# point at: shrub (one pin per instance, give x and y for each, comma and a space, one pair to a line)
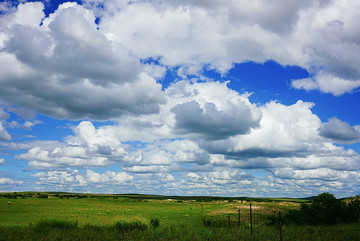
325, 209
43, 196
155, 223
129, 226
11, 195
352, 210
55, 224
214, 222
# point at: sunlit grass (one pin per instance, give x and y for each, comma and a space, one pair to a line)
127, 218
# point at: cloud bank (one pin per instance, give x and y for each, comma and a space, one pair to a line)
107, 60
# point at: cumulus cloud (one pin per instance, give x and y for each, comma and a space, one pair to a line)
326, 83
30, 13
340, 131
5, 7
2, 161
74, 180
288, 137
211, 110
196, 135
227, 177
219, 182
324, 174
283, 130
94, 71
320, 36
285, 141
8, 181
119, 178
4, 135
4, 115
90, 147
72, 177
191, 118
87, 74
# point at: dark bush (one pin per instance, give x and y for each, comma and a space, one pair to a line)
129, 226
55, 224
11, 195
43, 196
155, 223
217, 223
352, 210
325, 209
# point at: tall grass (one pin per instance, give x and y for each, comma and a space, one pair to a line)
142, 231
126, 219
55, 224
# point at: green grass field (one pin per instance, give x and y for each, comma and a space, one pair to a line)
104, 217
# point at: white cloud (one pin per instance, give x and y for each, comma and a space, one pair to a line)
4, 135
198, 130
156, 71
340, 131
4, 115
2, 161
96, 73
210, 110
29, 124
69, 177
89, 147
87, 74
327, 83
118, 178
325, 174
283, 130
30, 13
320, 36
8, 181
5, 7
285, 141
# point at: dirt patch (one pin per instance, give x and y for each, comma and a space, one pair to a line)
233, 209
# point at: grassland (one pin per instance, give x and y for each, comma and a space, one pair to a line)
31, 216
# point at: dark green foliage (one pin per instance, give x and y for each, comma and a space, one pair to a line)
352, 210
54, 224
155, 223
185, 232
217, 223
10, 195
129, 226
325, 209
43, 195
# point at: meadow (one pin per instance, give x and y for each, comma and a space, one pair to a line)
64, 216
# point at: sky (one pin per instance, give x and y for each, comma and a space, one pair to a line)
209, 97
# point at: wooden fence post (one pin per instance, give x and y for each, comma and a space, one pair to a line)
280, 224
251, 231
239, 217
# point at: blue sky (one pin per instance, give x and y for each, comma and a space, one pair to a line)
172, 97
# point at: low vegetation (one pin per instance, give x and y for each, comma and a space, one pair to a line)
326, 209
67, 216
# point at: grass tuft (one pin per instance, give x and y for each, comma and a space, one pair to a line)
155, 223
130, 226
55, 224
